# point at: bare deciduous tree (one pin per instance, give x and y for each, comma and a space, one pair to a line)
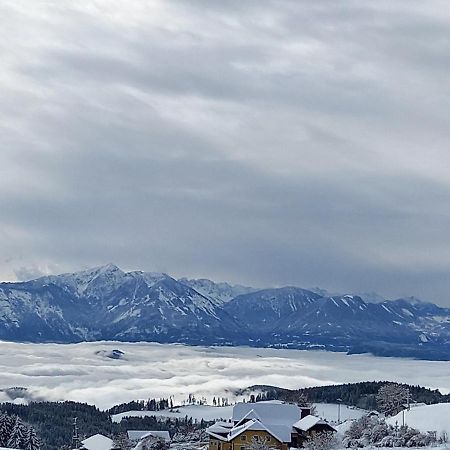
391, 398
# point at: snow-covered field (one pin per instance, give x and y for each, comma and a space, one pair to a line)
197, 412
83, 372
326, 410
426, 418
329, 411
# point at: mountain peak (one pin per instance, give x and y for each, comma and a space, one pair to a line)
110, 267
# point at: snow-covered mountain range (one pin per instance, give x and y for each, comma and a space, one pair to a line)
106, 303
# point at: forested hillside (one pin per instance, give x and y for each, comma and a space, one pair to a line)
53, 422
361, 395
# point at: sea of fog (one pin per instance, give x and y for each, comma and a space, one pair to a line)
83, 372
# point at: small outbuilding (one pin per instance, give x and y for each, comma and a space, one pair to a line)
310, 425
137, 435
98, 442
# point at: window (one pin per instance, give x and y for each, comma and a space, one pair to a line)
243, 437
268, 438
242, 448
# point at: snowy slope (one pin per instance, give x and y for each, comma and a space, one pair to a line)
426, 418
197, 412
219, 293
329, 411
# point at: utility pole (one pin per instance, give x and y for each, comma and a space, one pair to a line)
75, 438
339, 400
408, 406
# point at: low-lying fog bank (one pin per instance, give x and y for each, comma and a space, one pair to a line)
95, 373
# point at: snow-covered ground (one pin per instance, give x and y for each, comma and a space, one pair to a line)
84, 372
328, 411
426, 418
197, 412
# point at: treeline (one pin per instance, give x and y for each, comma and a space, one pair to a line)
172, 425
142, 405
361, 395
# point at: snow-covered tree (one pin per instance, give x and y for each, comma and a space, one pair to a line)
260, 443
5, 429
391, 398
373, 431
31, 440
322, 441
379, 431
153, 443
359, 432
17, 435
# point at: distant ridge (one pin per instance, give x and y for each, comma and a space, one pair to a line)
110, 304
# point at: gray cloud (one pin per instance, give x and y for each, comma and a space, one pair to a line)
278, 143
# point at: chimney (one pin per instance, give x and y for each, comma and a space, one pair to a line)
305, 411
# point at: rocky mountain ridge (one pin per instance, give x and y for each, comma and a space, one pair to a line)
106, 303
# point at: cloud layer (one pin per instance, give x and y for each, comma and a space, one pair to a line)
77, 372
287, 142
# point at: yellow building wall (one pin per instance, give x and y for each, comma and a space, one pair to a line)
238, 442
216, 444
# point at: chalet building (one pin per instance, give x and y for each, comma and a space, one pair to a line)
280, 425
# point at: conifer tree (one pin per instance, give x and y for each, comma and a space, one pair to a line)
17, 435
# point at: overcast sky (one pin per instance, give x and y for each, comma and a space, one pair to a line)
260, 142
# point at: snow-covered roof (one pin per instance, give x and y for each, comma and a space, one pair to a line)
8, 448
277, 418
343, 427
136, 435
220, 427
225, 433
98, 442
252, 414
274, 417
268, 412
413, 404
308, 422
280, 432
